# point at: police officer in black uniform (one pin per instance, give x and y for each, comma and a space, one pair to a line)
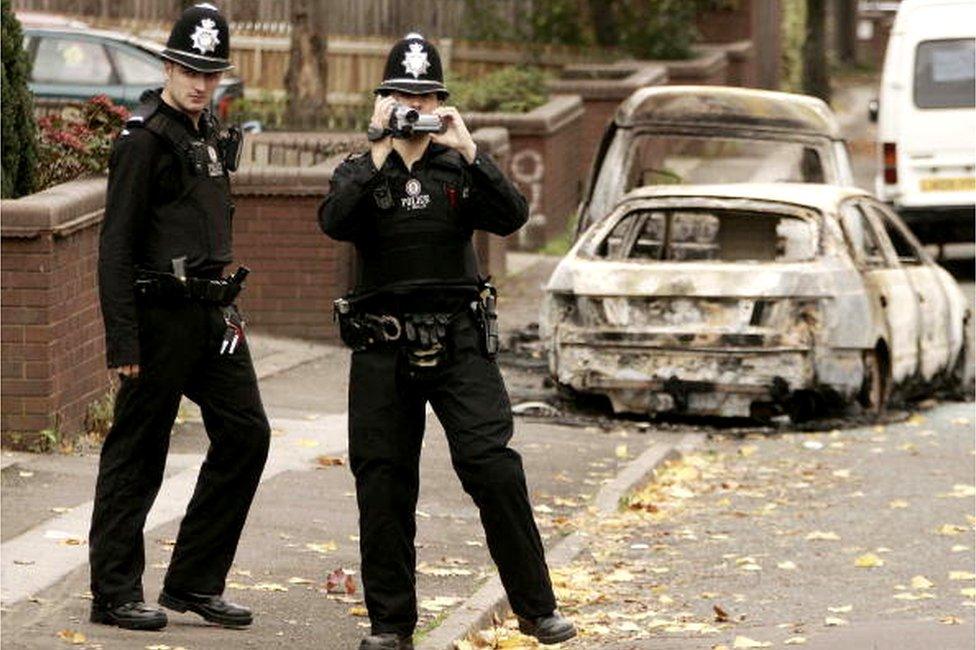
421, 324
172, 330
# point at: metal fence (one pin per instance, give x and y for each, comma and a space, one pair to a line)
443, 18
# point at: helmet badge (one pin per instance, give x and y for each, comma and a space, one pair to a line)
415, 61
205, 36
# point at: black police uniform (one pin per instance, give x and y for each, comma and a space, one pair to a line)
412, 231
169, 198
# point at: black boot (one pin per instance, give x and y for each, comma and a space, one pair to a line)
387, 641
553, 628
135, 615
212, 608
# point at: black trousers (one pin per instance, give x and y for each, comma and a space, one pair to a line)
179, 347
386, 428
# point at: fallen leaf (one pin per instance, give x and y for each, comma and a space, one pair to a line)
969, 592
721, 615
795, 640
72, 637
842, 473
621, 452
26, 474
544, 509
962, 575
620, 575
819, 535
843, 609
787, 566
868, 561
921, 583
951, 529
747, 450
329, 461
950, 620
960, 491
960, 548
833, 621
438, 603
907, 596
813, 445
323, 547
358, 611
441, 572
306, 442
897, 503
340, 581
300, 581
746, 642
269, 586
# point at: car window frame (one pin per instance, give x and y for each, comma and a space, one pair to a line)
885, 216
861, 260
113, 80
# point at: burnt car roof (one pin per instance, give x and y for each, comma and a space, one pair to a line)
824, 198
728, 107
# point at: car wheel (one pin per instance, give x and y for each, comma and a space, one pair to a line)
962, 379
876, 386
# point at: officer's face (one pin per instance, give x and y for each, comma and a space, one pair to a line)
421, 103
190, 90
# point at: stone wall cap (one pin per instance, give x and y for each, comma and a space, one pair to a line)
55, 209
282, 180
552, 116
736, 50
614, 81
706, 62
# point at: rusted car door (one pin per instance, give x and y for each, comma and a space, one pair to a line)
892, 297
934, 335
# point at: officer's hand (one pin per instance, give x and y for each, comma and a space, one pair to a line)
382, 109
130, 371
456, 135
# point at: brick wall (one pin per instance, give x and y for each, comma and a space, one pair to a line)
296, 271
52, 344
758, 21
542, 141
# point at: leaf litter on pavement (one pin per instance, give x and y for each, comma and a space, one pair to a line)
688, 553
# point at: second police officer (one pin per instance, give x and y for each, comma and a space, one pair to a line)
172, 330
421, 324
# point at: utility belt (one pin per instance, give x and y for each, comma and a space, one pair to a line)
423, 336
172, 287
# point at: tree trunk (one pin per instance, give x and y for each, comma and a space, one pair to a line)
307, 76
604, 18
816, 75
845, 12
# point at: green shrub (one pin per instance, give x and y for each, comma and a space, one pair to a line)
78, 141
511, 89
19, 133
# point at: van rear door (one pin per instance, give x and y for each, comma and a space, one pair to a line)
937, 134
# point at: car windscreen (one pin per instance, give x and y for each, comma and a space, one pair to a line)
636, 160
710, 235
945, 74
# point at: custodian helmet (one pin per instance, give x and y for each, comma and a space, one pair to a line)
413, 67
200, 40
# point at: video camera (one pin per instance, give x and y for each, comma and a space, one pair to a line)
406, 121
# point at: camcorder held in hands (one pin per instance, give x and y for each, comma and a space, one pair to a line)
406, 121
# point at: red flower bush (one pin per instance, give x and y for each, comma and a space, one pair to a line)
78, 141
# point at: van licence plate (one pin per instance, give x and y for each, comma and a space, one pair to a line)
960, 184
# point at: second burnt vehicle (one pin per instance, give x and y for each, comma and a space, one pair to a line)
753, 299
687, 135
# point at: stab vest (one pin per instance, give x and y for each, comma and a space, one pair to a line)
196, 221
413, 245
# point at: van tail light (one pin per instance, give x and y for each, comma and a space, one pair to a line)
223, 106
890, 153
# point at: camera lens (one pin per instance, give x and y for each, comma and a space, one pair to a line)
411, 115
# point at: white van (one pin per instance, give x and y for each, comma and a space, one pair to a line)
927, 119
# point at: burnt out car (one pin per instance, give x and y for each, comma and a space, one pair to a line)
707, 135
753, 300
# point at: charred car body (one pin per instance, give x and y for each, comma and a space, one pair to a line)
752, 299
683, 135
